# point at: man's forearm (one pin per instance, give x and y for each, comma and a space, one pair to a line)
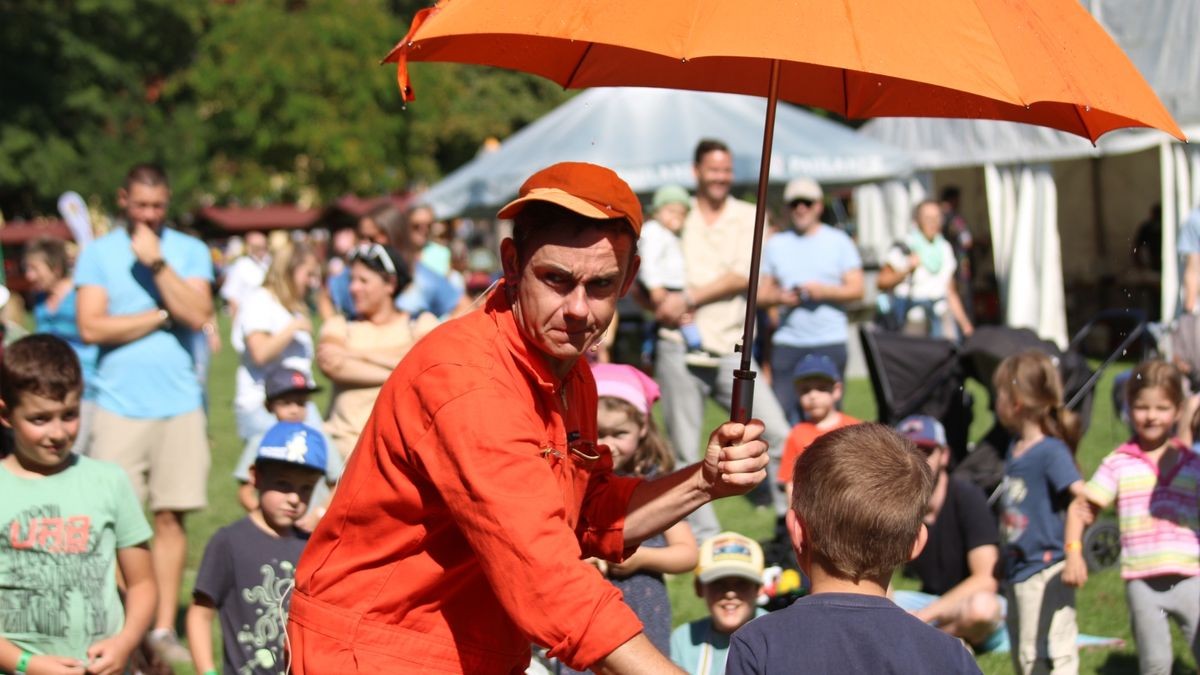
187, 304
119, 330
944, 608
660, 503
720, 288
639, 656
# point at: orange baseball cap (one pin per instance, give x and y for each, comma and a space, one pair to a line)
590, 190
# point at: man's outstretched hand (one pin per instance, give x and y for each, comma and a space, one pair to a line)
736, 459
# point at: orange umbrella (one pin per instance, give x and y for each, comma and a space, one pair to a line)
1044, 62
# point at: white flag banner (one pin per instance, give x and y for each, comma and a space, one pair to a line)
74, 211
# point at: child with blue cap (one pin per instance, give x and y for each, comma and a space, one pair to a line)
248, 567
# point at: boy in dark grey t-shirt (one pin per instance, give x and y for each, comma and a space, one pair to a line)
858, 503
249, 566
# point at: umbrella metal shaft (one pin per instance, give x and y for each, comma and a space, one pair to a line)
741, 407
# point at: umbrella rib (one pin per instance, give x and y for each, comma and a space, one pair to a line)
845, 94
578, 65
1000, 51
1084, 123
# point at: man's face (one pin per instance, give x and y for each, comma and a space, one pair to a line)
805, 213
566, 292
938, 458
714, 175
256, 244
145, 204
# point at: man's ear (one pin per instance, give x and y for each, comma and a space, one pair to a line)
122, 197
919, 544
631, 274
4, 421
509, 262
253, 476
838, 390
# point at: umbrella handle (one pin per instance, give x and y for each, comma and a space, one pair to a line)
741, 403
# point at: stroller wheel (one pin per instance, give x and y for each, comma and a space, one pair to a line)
1102, 546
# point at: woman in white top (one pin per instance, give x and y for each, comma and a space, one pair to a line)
273, 329
359, 355
920, 278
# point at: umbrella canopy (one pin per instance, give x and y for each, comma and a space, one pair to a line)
1044, 62
647, 137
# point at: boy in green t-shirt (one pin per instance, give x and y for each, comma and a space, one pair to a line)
67, 523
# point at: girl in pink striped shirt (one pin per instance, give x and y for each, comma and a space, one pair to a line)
1155, 481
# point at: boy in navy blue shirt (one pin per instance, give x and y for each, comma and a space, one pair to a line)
858, 507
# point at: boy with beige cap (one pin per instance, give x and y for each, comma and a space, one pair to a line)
729, 579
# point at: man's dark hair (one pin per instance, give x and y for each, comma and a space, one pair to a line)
708, 145
39, 364
951, 193
146, 174
535, 215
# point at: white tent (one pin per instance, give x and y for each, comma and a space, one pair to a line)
1025, 167
648, 135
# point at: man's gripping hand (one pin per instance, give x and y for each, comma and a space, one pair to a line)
735, 461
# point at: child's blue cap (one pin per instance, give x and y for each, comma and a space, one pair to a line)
925, 431
294, 443
816, 365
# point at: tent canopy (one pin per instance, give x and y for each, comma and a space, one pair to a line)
648, 135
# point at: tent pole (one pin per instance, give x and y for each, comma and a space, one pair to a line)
742, 397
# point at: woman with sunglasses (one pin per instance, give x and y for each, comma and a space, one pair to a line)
273, 329
358, 355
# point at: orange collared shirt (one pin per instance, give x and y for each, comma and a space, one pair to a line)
455, 535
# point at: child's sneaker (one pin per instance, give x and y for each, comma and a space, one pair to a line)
165, 644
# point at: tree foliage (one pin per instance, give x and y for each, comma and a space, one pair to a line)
80, 83
255, 100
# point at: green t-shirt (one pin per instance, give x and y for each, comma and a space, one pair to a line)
58, 555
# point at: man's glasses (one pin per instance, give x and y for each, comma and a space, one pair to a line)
372, 253
806, 202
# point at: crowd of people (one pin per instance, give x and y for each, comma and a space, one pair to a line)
482, 481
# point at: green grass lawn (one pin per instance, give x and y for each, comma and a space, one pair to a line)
1101, 605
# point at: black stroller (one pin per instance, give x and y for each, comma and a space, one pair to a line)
927, 376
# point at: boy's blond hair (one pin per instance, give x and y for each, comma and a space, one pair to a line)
860, 493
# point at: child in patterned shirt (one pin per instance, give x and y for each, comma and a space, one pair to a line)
1155, 482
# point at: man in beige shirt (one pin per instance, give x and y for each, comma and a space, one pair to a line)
718, 237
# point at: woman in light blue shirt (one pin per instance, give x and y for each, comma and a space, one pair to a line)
48, 271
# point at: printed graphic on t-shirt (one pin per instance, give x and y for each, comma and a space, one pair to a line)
1013, 522
261, 641
50, 566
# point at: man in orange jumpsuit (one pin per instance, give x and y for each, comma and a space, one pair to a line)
455, 536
